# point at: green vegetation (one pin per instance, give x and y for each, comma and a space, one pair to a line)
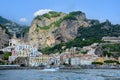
90, 35
49, 50
38, 17
97, 63
46, 50
74, 13
43, 28
54, 14
47, 15
57, 23
111, 61
106, 53
111, 50
85, 52
78, 42
6, 55
94, 31
112, 47
25, 30
73, 43
69, 17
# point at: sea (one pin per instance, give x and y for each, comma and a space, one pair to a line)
81, 74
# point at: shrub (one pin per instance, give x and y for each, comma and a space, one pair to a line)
45, 28
54, 14
38, 17
111, 61
6, 55
57, 23
75, 13
46, 15
69, 17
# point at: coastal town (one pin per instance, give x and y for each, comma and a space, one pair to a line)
60, 40
24, 54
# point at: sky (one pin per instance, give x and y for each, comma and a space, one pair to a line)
23, 11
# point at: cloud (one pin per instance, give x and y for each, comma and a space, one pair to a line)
42, 11
23, 20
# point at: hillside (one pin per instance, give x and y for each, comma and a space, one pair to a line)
50, 33
89, 35
12, 27
4, 37
53, 28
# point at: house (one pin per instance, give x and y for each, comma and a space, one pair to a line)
55, 59
119, 59
87, 59
40, 60
64, 56
20, 49
112, 39
75, 61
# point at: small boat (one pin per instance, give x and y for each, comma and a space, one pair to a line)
51, 69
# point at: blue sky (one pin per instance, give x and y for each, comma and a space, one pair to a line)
23, 10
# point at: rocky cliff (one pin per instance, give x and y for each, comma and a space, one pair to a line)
4, 37
55, 27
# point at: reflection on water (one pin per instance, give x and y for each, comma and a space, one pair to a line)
83, 74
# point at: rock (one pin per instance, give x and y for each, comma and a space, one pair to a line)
4, 37
99, 51
48, 31
23, 61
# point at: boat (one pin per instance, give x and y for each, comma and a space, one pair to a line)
51, 69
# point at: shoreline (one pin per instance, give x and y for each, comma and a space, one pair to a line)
18, 68
63, 68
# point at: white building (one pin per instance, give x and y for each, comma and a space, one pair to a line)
91, 51
87, 59
75, 61
112, 39
20, 49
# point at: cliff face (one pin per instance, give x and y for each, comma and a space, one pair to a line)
4, 37
53, 28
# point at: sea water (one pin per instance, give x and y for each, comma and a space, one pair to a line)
82, 74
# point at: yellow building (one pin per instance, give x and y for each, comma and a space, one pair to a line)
119, 59
41, 60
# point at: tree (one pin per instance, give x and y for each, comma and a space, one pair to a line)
106, 53
6, 55
111, 61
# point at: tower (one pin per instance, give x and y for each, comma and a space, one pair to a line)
14, 35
